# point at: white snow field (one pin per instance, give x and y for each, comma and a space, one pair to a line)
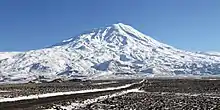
115, 51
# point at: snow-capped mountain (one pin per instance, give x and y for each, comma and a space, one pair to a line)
114, 51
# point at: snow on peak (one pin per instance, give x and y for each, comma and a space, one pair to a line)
114, 51
119, 25
119, 34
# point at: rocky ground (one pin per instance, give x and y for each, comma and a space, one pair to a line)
183, 85
158, 101
156, 94
167, 94
15, 90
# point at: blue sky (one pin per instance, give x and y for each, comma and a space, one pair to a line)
185, 24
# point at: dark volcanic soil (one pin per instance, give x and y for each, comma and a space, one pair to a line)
159, 94
157, 101
167, 94
15, 90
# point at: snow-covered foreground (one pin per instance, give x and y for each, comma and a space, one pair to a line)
90, 101
38, 96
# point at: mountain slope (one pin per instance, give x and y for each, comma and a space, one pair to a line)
114, 51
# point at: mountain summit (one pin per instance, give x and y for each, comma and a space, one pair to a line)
119, 34
115, 51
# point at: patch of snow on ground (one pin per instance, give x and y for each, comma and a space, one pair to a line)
3, 91
100, 98
103, 83
37, 96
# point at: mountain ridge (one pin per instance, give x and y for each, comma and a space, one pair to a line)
115, 51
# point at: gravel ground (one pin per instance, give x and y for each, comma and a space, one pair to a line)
156, 101
159, 94
15, 90
182, 86
167, 94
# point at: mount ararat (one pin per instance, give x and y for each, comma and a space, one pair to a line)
115, 51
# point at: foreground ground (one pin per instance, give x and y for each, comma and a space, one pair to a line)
168, 94
165, 94
15, 90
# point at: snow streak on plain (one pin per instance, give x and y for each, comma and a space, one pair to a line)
38, 96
